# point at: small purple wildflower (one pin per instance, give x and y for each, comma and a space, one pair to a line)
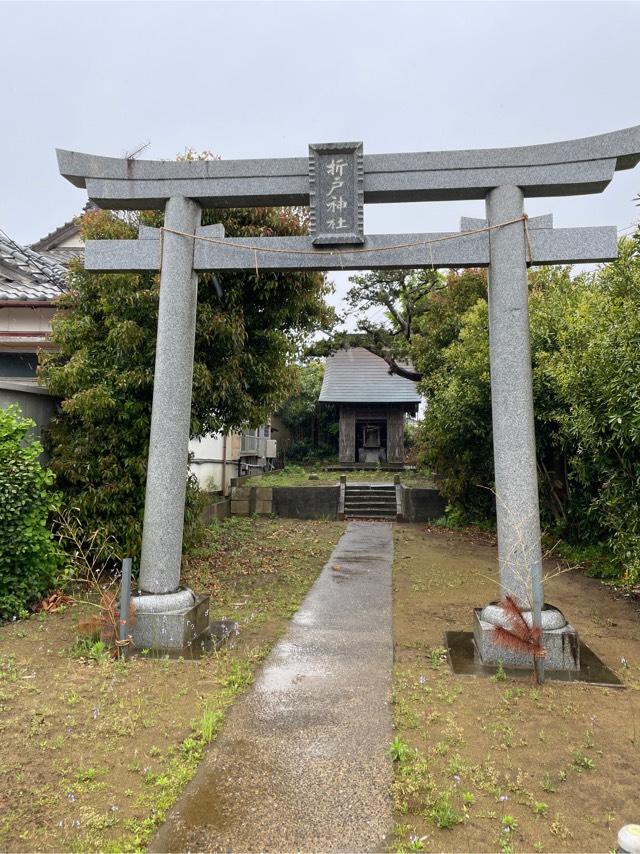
504, 798
71, 797
457, 778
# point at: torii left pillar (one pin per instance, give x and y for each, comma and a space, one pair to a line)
169, 616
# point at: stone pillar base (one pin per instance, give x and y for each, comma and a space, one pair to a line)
170, 621
561, 645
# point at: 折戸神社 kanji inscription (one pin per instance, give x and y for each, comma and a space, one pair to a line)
336, 193
336, 180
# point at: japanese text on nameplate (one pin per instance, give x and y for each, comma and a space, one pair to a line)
336, 193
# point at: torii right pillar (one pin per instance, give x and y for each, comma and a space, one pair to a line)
514, 449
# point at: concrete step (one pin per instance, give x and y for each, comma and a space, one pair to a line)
369, 514
358, 505
371, 496
370, 501
371, 486
369, 492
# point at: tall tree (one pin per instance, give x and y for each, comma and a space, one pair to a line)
407, 317
397, 298
250, 326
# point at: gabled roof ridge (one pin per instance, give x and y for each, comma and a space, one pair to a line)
44, 242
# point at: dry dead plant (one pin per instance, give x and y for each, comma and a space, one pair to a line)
95, 563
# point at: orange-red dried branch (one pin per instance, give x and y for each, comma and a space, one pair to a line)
519, 636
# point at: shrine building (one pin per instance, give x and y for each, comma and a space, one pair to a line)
372, 405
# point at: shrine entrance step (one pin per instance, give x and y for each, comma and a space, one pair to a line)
370, 501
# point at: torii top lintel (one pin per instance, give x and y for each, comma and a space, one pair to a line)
574, 167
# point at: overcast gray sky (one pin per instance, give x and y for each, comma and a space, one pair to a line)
265, 79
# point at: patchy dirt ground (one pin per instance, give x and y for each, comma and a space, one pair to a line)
497, 764
93, 752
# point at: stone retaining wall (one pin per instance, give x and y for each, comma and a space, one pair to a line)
307, 502
216, 510
294, 502
321, 502
420, 504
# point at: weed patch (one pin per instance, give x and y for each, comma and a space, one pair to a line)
95, 751
493, 763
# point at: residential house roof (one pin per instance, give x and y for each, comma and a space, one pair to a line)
359, 376
27, 275
64, 241
56, 237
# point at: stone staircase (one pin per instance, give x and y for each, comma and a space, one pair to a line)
370, 501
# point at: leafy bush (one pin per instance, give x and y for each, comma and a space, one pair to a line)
595, 373
30, 559
312, 426
306, 451
102, 366
585, 341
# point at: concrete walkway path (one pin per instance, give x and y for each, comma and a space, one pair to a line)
301, 763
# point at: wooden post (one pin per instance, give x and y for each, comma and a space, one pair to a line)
347, 435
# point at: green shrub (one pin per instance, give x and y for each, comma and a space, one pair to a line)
585, 340
30, 559
305, 451
103, 362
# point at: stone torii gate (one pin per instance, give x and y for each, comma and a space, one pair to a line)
336, 180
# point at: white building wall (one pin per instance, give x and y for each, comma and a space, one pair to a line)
207, 463
21, 319
72, 242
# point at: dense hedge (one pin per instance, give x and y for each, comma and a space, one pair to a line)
102, 367
30, 559
585, 342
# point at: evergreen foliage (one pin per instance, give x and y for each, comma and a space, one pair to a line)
30, 559
246, 338
313, 426
585, 340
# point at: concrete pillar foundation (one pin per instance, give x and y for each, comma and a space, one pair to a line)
175, 621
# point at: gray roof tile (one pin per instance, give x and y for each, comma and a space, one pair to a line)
358, 376
27, 275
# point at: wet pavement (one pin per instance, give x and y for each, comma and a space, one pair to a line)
301, 763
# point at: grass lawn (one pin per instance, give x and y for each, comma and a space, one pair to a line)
298, 476
93, 752
497, 764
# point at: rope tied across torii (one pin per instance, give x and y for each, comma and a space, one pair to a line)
336, 180
545, 245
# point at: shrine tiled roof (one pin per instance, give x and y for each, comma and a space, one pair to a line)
27, 275
359, 376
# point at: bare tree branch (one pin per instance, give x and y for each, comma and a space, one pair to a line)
394, 367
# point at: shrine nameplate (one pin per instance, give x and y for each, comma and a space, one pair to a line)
336, 191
